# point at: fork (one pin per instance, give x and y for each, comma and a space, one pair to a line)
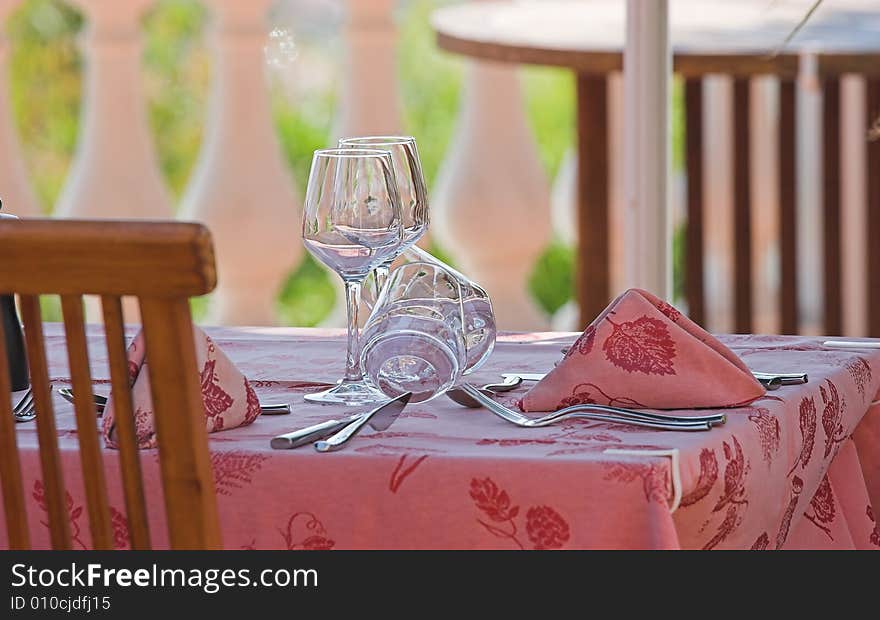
25, 410
598, 413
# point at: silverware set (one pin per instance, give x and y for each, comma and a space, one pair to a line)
598, 413
332, 435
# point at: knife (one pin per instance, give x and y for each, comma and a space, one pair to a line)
379, 418
303, 436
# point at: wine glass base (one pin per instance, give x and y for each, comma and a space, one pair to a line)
348, 393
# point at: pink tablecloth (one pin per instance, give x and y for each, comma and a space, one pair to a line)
782, 472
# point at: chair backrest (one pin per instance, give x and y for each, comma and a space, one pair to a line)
162, 264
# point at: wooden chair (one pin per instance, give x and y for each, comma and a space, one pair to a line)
162, 264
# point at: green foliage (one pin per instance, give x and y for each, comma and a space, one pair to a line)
307, 297
430, 81
45, 83
552, 280
176, 77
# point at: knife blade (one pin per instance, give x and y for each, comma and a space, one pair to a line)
379, 418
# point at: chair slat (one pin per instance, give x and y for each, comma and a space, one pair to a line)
788, 207
94, 479
873, 196
693, 110
833, 293
183, 450
10, 463
593, 257
129, 458
742, 208
50, 457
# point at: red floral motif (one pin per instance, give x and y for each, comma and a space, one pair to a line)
734, 477
233, 470
492, 500
253, 404
120, 529
761, 543
590, 394
643, 345
305, 531
730, 523
143, 429
797, 485
655, 478
821, 511
860, 371
768, 431
74, 512
546, 528
707, 479
808, 432
670, 311
216, 399
875, 535
402, 471
133, 370
584, 344
832, 416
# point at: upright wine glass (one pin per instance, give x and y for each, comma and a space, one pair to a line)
352, 224
410, 186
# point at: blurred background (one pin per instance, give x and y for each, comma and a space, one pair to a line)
46, 86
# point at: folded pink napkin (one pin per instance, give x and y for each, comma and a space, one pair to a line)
229, 399
641, 352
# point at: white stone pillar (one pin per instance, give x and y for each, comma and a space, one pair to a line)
15, 190
647, 72
369, 103
491, 203
115, 171
241, 187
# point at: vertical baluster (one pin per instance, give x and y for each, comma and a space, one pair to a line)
370, 104
788, 206
694, 293
490, 205
14, 507
873, 194
115, 171
593, 256
742, 218
17, 192
831, 204
86, 426
241, 187
47, 433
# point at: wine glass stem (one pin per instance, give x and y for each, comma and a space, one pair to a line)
380, 276
353, 372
